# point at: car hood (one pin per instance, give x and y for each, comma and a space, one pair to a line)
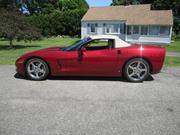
42, 51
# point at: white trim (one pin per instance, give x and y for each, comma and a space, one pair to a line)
170, 35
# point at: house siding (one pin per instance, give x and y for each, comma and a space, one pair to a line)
100, 29
134, 38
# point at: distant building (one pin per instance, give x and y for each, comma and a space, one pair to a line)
133, 23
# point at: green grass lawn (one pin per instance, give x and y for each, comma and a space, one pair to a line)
8, 55
172, 62
174, 47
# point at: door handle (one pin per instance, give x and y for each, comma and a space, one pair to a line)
119, 52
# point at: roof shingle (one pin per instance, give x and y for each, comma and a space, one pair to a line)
133, 14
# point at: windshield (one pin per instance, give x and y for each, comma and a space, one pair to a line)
76, 45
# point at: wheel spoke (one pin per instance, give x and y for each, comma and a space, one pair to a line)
33, 65
31, 71
131, 74
138, 64
131, 67
39, 65
138, 75
37, 75
143, 70
42, 71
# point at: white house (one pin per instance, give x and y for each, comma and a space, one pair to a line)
133, 23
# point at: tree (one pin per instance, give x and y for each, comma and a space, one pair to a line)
125, 2
13, 26
72, 4
9, 3
61, 18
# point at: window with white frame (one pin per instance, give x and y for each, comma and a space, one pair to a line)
122, 28
135, 29
112, 28
153, 30
144, 30
129, 30
164, 30
92, 27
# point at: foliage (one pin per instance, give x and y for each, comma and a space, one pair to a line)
7, 3
125, 2
14, 26
59, 23
56, 17
61, 18
72, 4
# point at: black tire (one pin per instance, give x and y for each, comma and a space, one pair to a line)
135, 74
44, 67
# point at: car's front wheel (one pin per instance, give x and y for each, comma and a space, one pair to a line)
37, 69
136, 70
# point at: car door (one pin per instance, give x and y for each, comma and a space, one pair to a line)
99, 62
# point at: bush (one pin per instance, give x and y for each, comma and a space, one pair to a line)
175, 36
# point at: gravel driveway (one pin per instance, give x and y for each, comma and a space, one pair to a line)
90, 106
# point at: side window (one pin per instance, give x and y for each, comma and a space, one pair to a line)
129, 30
164, 30
135, 29
100, 44
144, 30
154, 30
92, 28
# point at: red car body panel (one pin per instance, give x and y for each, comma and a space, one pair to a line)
107, 62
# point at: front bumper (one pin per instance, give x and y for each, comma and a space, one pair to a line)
20, 66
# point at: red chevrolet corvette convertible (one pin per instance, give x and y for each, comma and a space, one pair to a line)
94, 56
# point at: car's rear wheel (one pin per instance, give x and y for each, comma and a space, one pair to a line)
37, 69
136, 70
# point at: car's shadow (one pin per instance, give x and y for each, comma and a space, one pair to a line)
87, 78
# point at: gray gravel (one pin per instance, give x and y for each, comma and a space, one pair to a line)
90, 106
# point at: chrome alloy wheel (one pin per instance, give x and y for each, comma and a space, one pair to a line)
37, 69
137, 70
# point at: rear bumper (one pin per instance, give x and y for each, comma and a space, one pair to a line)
159, 61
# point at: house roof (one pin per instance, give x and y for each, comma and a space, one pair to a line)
133, 14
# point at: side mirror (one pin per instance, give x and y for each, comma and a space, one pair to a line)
83, 49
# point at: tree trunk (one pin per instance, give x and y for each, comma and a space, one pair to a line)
11, 43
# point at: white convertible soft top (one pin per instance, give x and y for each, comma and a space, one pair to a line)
118, 41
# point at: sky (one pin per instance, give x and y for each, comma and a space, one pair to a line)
93, 3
